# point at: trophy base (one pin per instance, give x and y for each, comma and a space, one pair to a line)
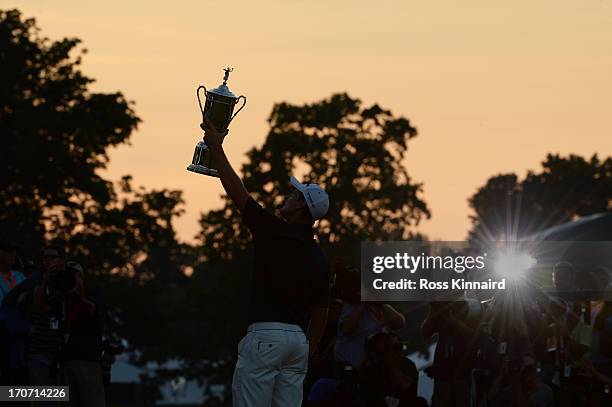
200, 169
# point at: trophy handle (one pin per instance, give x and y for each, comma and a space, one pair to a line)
243, 104
198, 96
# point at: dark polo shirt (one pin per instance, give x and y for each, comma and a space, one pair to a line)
290, 273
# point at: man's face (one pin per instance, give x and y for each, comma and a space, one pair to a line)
294, 203
7, 258
52, 260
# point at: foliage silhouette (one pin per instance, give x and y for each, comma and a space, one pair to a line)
565, 188
56, 134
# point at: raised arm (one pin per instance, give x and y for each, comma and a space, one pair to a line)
394, 319
430, 325
231, 181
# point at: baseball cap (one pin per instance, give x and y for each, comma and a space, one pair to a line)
315, 196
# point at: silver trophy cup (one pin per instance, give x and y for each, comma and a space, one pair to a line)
219, 109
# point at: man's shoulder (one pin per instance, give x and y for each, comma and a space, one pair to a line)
258, 219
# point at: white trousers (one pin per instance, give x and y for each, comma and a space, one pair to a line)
272, 363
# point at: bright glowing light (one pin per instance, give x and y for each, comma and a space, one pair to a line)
513, 265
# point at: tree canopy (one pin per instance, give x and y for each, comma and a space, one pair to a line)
56, 135
564, 189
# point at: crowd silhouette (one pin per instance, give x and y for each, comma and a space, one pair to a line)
520, 347
53, 326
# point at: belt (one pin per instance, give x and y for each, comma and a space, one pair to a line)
273, 326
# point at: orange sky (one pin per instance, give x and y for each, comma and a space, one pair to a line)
491, 86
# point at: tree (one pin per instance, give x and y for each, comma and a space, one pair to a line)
56, 134
56, 131
565, 188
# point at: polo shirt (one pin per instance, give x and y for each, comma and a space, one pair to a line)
350, 348
290, 271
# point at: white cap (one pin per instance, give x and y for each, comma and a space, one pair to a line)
315, 196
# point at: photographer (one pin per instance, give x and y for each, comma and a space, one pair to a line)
567, 351
455, 352
519, 385
46, 300
82, 351
577, 333
513, 327
45, 312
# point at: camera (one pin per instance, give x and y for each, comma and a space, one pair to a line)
60, 284
110, 350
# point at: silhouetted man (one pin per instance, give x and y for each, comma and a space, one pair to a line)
290, 281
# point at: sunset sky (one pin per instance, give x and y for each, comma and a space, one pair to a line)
491, 86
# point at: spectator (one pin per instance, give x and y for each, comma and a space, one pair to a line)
358, 321
386, 374
322, 362
601, 345
81, 355
599, 367
383, 378
518, 385
41, 299
574, 339
454, 356
602, 383
341, 391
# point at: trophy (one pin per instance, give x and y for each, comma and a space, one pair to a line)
219, 109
